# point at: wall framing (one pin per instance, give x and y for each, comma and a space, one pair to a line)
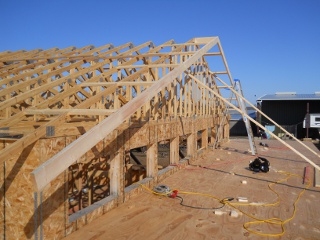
65, 110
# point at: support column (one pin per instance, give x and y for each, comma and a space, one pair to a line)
191, 145
204, 139
117, 168
212, 135
115, 174
152, 152
174, 150
152, 160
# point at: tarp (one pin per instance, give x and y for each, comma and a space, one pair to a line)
271, 128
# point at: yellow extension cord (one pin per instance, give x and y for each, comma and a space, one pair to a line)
274, 221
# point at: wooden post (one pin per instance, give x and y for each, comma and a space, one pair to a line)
261, 126
152, 153
180, 97
115, 174
90, 185
152, 160
174, 150
191, 141
8, 109
79, 184
121, 152
204, 139
189, 111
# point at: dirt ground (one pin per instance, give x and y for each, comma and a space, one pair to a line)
222, 173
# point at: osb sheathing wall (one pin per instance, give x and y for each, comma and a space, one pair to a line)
26, 217
52, 99
20, 217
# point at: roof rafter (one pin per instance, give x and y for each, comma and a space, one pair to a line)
39, 132
57, 164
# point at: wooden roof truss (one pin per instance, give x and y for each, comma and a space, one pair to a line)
102, 87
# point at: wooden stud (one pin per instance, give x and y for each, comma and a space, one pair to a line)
204, 138
82, 97
174, 150
115, 174
152, 160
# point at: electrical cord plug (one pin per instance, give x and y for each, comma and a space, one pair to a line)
226, 199
173, 194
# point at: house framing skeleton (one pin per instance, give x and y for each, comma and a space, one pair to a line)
79, 126
72, 118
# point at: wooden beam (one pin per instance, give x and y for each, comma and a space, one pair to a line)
42, 64
41, 131
48, 171
69, 111
258, 124
92, 58
221, 72
160, 65
191, 43
41, 69
174, 150
212, 54
191, 145
152, 160
223, 87
204, 138
202, 40
272, 121
106, 84
115, 174
55, 83
44, 87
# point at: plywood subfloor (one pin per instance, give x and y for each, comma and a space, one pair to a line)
148, 216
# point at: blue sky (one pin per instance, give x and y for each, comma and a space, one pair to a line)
271, 46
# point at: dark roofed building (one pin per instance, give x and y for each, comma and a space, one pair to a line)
237, 126
289, 109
